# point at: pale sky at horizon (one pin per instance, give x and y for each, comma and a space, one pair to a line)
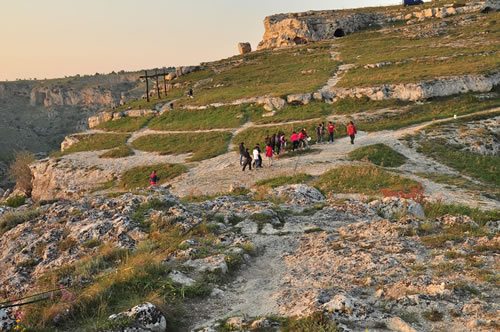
54, 38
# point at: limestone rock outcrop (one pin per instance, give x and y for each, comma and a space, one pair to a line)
441, 87
301, 28
146, 318
244, 48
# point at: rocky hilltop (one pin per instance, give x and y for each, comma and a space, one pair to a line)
395, 229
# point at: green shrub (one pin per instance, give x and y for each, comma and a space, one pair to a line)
20, 172
202, 145
379, 154
317, 322
139, 177
368, 180
15, 201
11, 219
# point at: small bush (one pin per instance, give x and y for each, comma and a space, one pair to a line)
15, 201
378, 154
20, 172
316, 322
13, 218
433, 315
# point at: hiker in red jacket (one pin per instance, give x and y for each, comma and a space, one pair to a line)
154, 178
331, 131
351, 131
295, 140
269, 155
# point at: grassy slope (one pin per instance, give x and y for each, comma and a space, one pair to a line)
138, 177
127, 124
379, 154
202, 145
421, 57
220, 117
96, 142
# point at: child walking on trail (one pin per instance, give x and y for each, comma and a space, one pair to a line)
351, 131
154, 178
269, 155
248, 160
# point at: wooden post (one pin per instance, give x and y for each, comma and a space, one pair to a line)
157, 86
165, 81
147, 85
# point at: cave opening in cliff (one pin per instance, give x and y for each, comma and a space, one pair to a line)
339, 33
299, 40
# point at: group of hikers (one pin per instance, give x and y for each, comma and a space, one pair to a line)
277, 143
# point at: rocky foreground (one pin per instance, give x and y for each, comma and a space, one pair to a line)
379, 266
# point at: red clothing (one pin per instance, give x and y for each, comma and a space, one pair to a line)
294, 137
269, 151
331, 128
301, 135
351, 130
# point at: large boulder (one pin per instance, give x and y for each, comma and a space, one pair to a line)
68, 142
6, 323
299, 98
244, 48
390, 207
146, 318
299, 194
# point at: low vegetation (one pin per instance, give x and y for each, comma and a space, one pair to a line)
120, 152
127, 124
378, 154
434, 109
11, 219
211, 118
481, 167
97, 142
417, 59
369, 180
202, 145
139, 177
438, 209
285, 180
20, 172
310, 65
15, 201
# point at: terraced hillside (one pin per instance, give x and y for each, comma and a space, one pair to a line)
396, 232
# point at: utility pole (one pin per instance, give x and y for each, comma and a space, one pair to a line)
147, 85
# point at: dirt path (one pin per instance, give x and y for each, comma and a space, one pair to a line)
217, 174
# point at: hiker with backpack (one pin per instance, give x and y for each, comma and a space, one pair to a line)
154, 178
351, 131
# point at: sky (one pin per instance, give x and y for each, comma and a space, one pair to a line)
56, 38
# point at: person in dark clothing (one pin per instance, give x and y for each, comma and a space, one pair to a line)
242, 151
318, 133
273, 142
248, 161
323, 130
190, 92
278, 143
